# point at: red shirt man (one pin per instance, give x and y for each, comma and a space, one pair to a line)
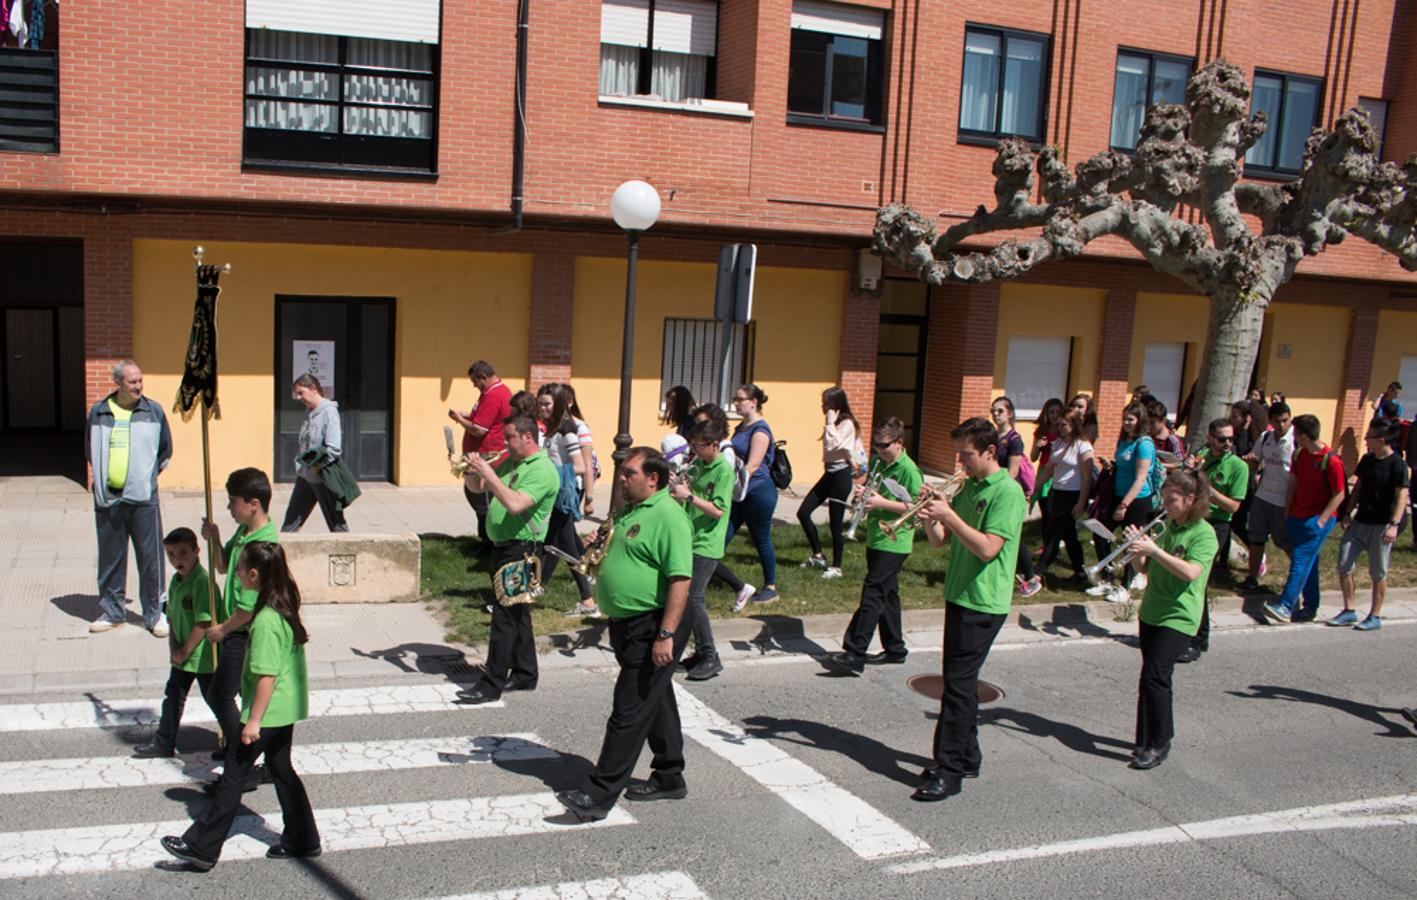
1318, 476
482, 432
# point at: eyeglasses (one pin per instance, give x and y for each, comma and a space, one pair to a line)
883, 445
1225, 439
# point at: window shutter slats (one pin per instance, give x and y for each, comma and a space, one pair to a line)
1162, 370
624, 22
833, 18
1037, 369
685, 26
415, 21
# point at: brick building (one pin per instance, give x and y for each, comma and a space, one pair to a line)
387, 192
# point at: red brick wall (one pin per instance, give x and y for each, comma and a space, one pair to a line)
1353, 411
553, 289
860, 320
1114, 360
959, 367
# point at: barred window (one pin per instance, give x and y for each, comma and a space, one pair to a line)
693, 352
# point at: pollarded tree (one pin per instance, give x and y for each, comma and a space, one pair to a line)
1188, 155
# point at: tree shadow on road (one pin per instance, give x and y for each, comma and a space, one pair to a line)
1071, 736
872, 754
1365, 711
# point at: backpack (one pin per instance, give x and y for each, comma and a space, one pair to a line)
1027, 475
780, 468
1155, 476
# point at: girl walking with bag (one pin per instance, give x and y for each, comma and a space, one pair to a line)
753, 443
320, 443
840, 442
1014, 460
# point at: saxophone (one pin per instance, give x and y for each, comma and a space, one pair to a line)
594, 553
857, 510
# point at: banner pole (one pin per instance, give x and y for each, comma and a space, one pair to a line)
207, 492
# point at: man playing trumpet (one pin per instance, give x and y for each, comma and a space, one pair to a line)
880, 592
982, 525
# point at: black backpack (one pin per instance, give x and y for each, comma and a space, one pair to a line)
780, 469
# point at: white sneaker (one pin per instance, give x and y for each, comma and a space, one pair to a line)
1119, 595
104, 624
1099, 590
814, 562
743, 596
159, 630
1139, 582
832, 572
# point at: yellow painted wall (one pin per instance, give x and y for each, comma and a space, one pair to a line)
1040, 310
1169, 317
451, 309
1397, 337
1316, 338
798, 315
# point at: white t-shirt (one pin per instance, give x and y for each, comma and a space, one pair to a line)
1275, 454
563, 444
1067, 471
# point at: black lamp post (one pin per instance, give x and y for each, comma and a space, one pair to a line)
635, 206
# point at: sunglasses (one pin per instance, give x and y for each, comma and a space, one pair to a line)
1224, 440
883, 445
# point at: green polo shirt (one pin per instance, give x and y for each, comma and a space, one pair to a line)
1171, 601
711, 481
186, 606
273, 651
535, 476
235, 596
905, 471
993, 505
653, 542
1229, 475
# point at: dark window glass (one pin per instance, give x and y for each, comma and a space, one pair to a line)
1004, 87
807, 72
1143, 80
834, 77
1377, 117
1291, 103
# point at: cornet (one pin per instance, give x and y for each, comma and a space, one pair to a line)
946, 491
857, 508
1122, 555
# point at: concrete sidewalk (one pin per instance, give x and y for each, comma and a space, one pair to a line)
48, 559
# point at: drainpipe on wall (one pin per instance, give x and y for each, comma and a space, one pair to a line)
519, 139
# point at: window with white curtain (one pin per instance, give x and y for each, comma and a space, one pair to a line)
1144, 79
1292, 104
693, 354
1036, 369
1162, 370
1407, 377
1004, 87
835, 67
658, 48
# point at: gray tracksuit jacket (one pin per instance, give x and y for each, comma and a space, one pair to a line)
321, 428
149, 451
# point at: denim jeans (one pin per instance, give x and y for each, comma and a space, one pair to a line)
1308, 538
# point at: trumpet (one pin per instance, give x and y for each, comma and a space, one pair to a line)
594, 553
946, 491
456, 461
1122, 555
857, 507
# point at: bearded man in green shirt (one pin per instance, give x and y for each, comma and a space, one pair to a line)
982, 525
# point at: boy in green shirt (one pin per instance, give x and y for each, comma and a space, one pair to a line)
188, 618
1229, 478
880, 592
982, 525
706, 492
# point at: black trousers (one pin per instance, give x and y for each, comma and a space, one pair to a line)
1160, 648
644, 710
300, 835
1221, 567
225, 684
303, 500
831, 486
1061, 528
879, 607
478, 502
968, 637
511, 648
179, 683
1138, 513
561, 534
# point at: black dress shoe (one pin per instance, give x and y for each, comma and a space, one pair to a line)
928, 773
584, 808
653, 790
153, 750
845, 661
1190, 654
1151, 757
280, 852
520, 684
888, 659
178, 848
476, 696
938, 788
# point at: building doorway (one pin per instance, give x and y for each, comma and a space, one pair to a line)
900, 356
348, 344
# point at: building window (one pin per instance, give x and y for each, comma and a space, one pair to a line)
1004, 89
658, 48
1143, 80
1407, 374
29, 78
1377, 117
692, 356
1163, 368
1292, 104
836, 64
1037, 369
342, 84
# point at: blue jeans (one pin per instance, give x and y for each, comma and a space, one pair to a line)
1308, 539
755, 511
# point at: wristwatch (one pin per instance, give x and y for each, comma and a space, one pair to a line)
665, 633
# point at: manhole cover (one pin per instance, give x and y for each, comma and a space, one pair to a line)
933, 686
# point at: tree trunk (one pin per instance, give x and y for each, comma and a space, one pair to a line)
1231, 344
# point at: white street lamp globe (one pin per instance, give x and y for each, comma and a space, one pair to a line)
635, 205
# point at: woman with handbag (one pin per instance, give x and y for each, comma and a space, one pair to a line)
320, 441
840, 441
753, 443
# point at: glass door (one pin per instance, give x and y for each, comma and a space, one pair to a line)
900, 356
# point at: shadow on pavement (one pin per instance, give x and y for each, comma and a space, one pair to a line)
416, 657
786, 634
562, 772
83, 607
1069, 616
586, 638
1365, 711
873, 755
1070, 736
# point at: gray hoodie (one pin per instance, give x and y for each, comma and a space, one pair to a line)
321, 428
149, 450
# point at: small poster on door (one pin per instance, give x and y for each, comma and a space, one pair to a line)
315, 358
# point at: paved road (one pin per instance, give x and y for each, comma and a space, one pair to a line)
1293, 775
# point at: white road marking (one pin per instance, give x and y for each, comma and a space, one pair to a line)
866, 831
104, 848
658, 886
33, 776
99, 713
1382, 812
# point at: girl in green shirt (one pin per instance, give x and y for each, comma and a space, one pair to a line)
275, 695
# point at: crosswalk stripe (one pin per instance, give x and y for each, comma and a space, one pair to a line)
656, 886
104, 848
868, 832
98, 713
34, 776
